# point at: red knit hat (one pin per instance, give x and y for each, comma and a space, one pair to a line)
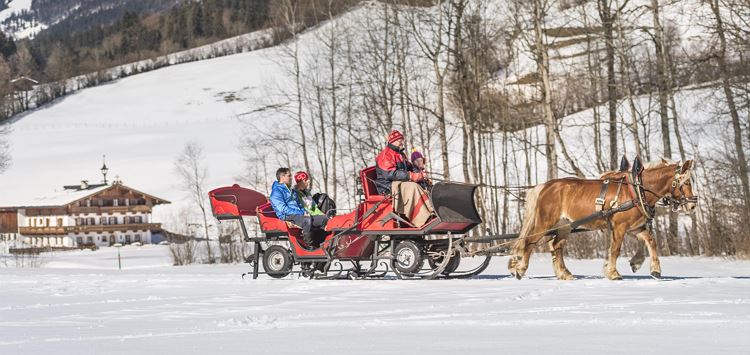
394, 136
300, 176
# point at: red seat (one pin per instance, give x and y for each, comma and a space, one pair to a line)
269, 223
368, 177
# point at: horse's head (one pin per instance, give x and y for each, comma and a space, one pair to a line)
682, 188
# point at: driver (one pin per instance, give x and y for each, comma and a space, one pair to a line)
396, 176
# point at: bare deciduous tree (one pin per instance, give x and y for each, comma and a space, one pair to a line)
191, 169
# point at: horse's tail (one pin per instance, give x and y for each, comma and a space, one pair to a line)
529, 219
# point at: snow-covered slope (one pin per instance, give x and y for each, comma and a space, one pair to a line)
19, 28
141, 123
82, 304
26, 18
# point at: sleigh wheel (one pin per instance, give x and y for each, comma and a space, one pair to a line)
452, 263
407, 257
277, 261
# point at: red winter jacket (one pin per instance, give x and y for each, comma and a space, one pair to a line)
392, 165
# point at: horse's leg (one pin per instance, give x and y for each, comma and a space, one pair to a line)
645, 235
558, 264
529, 243
610, 271
637, 260
516, 255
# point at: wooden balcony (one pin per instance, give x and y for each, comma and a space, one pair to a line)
42, 230
102, 228
96, 228
110, 209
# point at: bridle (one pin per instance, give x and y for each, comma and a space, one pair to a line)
678, 184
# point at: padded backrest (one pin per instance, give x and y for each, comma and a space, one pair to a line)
245, 200
266, 210
368, 176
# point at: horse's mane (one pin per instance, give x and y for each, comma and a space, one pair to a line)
649, 165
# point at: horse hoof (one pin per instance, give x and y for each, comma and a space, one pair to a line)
567, 277
656, 275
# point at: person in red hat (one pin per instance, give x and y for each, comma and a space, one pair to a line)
396, 176
315, 219
304, 196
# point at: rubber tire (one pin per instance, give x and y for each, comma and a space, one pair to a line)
407, 246
451, 267
277, 271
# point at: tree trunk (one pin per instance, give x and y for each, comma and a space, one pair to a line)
736, 125
542, 64
605, 13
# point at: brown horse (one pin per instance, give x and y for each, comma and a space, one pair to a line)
553, 206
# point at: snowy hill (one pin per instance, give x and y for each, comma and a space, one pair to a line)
26, 18
141, 123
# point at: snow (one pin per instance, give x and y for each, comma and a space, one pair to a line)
24, 30
61, 197
15, 7
141, 123
78, 302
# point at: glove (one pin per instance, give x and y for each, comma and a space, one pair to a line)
416, 177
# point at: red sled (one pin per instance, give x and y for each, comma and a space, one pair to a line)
371, 232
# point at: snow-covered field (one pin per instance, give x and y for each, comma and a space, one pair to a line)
79, 303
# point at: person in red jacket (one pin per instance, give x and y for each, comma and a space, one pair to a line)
396, 176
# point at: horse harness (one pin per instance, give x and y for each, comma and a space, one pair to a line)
637, 192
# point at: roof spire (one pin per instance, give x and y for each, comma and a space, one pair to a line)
104, 169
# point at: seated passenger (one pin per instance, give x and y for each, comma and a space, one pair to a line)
418, 162
304, 196
395, 176
287, 208
301, 192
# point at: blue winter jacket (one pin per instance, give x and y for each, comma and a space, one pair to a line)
283, 202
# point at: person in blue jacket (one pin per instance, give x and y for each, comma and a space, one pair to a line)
287, 207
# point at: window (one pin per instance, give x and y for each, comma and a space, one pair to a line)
46, 222
127, 238
137, 237
112, 220
89, 239
92, 221
79, 240
104, 238
102, 220
59, 222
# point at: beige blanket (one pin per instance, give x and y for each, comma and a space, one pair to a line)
410, 200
